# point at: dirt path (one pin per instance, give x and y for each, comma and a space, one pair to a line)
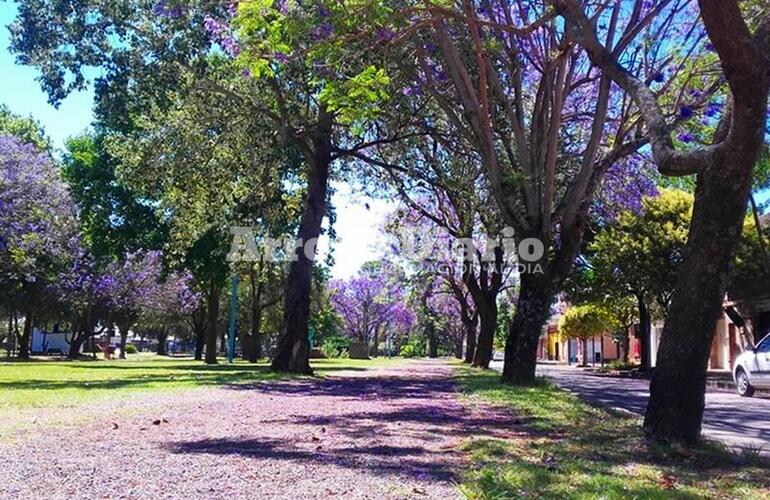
389, 433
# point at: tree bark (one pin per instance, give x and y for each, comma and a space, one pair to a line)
25, 336
432, 340
293, 350
471, 324
488, 324
123, 329
251, 344
677, 392
162, 337
532, 311
212, 322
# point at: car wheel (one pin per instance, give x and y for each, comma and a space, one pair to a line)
745, 388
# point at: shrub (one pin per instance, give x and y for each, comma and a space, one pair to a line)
619, 365
407, 351
131, 349
335, 346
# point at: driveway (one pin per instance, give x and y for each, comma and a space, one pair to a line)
736, 421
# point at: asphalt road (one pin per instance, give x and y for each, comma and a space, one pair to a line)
736, 421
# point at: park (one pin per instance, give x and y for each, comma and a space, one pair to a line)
481, 249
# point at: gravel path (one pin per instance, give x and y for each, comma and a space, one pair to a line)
389, 433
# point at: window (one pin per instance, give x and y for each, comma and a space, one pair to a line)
764, 345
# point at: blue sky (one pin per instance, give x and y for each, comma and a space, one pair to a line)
21, 93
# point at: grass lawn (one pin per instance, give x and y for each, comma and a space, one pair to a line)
37, 384
569, 449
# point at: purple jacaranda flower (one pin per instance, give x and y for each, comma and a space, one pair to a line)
686, 112
713, 109
323, 31
281, 57
385, 35
685, 137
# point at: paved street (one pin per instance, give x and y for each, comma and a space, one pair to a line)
729, 418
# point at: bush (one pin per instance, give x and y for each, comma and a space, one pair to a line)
131, 349
335, 346
407, 351
619, 365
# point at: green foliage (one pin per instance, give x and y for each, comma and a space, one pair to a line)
586, 321
113, 218
357, 99
131, 349
28, 130
414, 347
505, 314
750, 274
638, 255
619, 365
407, 351
335, 346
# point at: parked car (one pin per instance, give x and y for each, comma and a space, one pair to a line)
752, 369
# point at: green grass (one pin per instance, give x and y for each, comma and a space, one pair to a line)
569, 449
41, 384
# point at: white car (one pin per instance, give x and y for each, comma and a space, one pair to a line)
752, 369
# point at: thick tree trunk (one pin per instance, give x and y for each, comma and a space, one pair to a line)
532, 311
25, 336
293, 349
200, 341
162, 337
75, 344
432, 340
488, 324
625, 344
644, 334
212, 322
677, 392
123, 329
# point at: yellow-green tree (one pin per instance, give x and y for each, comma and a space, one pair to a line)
586, 321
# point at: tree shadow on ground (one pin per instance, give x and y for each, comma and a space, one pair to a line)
411, 462
591, 452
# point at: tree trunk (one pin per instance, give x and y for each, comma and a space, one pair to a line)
532, 311
75, 344
488, 325
199, 329
25, 336
200, 340
625, 344
677, 392
470, 342
162, 337
459, 341
212, 322
123, 329
432, 340
251, 344
644, 334
293, 350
